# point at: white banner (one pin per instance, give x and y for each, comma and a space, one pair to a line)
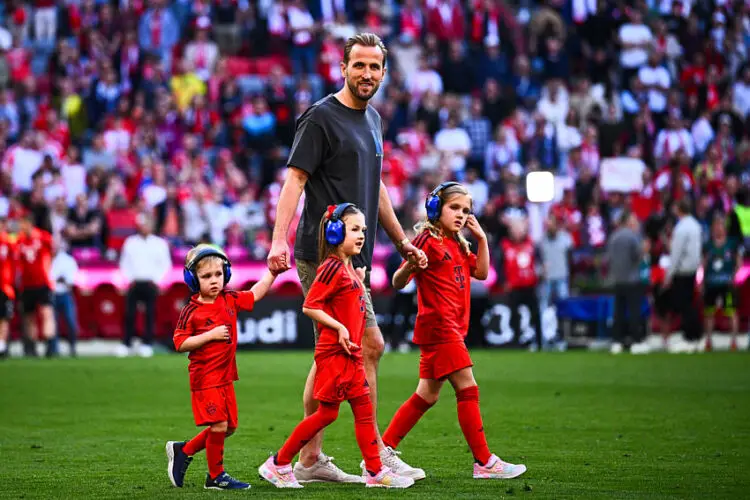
621, 175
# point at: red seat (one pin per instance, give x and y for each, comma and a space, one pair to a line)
108, 311
168, 307
239, 66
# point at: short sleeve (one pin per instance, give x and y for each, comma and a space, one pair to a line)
184, 328
309, 146
243, 301
325, 284
424, 241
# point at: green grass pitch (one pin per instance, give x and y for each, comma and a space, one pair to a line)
587, 425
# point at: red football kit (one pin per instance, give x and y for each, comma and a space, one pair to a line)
8, 263
338, 292
213, 367
520, 263
443, 293
339, 376
35, 259
443, 296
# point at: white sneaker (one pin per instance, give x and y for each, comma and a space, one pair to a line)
640, 348
122, 351
386, 478
403, 348
324, 471
390, 458
682, 347
145, 351
616, 348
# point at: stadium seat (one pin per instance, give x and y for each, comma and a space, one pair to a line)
108, 311
168, 307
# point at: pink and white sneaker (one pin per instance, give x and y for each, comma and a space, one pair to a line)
497, 469
279, 476
387, 479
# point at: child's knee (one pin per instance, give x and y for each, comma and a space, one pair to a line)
329, 412
468, 394
362, 409
220, 427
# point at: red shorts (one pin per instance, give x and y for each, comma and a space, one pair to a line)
339, 378
437, 361
214, 405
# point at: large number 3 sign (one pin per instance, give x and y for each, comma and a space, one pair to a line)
496, 322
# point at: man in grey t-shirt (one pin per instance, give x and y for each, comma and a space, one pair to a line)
336, 157
555, 251
624, 252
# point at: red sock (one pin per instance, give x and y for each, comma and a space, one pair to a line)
470, 420
405, 419
197, 443
215, 453
306, 430
366, 432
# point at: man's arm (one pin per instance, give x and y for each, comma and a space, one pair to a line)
291, 191
388, 218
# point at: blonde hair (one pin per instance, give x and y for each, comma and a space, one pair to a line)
434, 228
205, 260
324, 248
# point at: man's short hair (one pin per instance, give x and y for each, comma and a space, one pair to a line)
365, 40
684, 206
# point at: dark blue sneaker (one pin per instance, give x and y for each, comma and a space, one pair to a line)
178, 463
224, 482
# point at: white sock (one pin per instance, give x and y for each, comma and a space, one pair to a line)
3, 346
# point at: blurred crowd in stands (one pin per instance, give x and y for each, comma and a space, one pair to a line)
186, 109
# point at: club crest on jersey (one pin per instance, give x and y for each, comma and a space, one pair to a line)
230, 312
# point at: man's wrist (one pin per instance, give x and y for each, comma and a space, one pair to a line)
401, 243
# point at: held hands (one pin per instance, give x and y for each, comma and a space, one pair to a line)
413, 263
344, 341
278, 258
220, 333
409, 252
472, 224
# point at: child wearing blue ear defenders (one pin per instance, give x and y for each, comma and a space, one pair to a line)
207, 329
336, 301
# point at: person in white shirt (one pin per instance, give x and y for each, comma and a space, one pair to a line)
635, 38
64, 270
144, 262
656, 80
454, 144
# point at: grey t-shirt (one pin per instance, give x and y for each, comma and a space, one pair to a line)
554, 251
342, 151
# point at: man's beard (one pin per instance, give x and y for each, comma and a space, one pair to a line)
358, 94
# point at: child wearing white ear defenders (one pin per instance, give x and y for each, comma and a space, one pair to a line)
207, 329
336, 301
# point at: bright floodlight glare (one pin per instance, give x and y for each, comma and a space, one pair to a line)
540, 187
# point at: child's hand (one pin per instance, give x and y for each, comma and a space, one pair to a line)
344, 341
473, 225
220, 333
361, 271
415, 263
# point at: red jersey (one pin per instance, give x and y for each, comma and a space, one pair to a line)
520, 265
338, 292
443, 291
8, 263
35, 259
214, 364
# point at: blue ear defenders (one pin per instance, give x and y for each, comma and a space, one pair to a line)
433, 204
191, 279
335, 227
